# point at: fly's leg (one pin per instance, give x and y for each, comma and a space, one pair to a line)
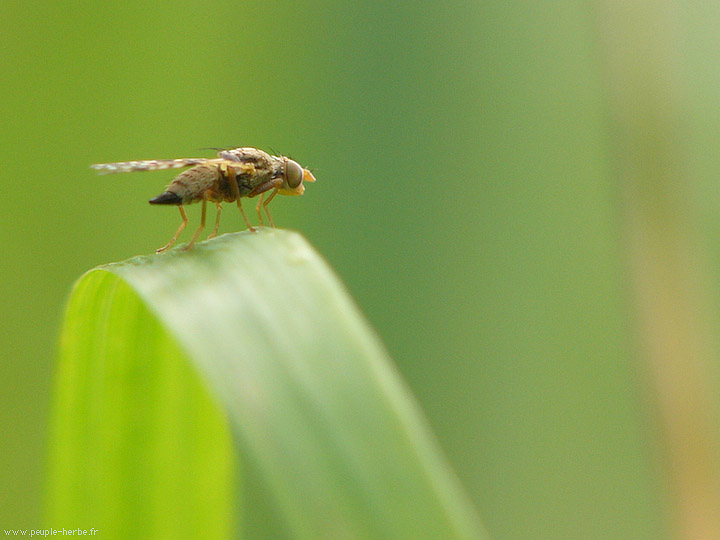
217, 221
177, 233
236, 194
260, 190
244, 215
257, 209
265, 205
200, 228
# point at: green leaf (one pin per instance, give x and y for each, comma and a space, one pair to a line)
162, 357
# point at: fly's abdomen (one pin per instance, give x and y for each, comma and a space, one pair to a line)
167, 197
200, 182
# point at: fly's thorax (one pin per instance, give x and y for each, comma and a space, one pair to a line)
261, 162
247, 177
193, 184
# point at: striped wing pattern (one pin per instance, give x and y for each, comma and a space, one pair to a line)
146, 165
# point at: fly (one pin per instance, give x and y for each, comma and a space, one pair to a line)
234, 174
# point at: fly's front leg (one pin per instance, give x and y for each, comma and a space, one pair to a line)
270, 198
177, 233
236, 194
260, 190
217, 221
200, 228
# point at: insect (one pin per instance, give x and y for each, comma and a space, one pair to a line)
234, 174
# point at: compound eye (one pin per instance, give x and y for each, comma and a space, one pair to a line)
293, 174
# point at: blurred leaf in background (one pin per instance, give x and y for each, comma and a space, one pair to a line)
466, 194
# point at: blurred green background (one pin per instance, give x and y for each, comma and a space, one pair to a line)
466, 195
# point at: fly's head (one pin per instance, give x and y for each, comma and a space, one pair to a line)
293, 176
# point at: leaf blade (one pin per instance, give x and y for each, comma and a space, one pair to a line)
308, 389
118, 456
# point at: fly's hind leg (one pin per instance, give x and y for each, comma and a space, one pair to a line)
200, 228
217, 221
177, 233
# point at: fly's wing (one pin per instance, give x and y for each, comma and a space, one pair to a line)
230, 154
147, 165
